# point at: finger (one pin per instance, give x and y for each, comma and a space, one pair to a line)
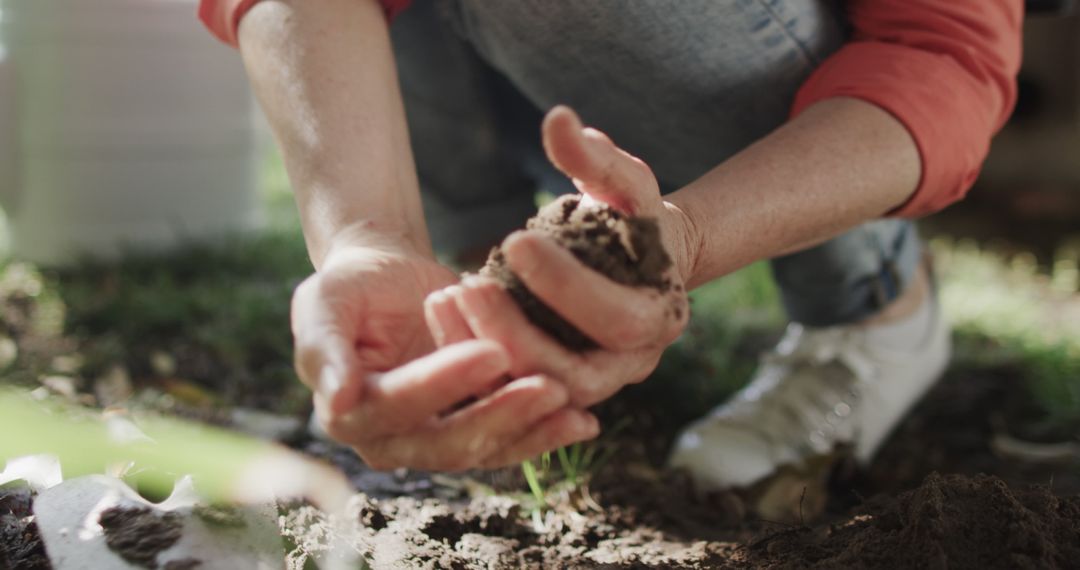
492, 314
463, 439
605, 372
443, 318
414, 393
324, 356
616, 316
590, 378
565, 427
598, 167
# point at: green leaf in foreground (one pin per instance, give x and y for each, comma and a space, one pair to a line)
225, 466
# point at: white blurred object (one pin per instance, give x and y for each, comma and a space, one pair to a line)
133, 129
39, 472
68, 516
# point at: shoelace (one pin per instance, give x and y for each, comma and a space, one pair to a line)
810, 410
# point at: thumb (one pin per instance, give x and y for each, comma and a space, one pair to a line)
341, 383
329, 366
598, 167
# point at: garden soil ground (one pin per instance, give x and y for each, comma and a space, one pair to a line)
938, 496
923, 503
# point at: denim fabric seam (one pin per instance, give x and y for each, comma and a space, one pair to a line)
803, 49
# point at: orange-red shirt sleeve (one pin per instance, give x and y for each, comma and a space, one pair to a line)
222, 17
945, 69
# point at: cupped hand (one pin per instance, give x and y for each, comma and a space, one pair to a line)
362, 312
361, 344
631, 325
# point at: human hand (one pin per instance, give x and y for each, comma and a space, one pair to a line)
632, 326
362, 312
362, 346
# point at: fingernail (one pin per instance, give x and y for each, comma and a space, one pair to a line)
436, 297
452, 291
471, 281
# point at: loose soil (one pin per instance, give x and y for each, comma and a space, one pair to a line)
626, 249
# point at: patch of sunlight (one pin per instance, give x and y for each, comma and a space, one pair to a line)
1008, 299
1005, 310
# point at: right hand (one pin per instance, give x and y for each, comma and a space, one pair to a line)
362, 345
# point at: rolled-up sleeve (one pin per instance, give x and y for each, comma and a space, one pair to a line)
945, 69
222, 17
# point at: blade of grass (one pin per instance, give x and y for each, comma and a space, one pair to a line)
533, 480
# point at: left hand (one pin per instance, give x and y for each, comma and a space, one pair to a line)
633, 326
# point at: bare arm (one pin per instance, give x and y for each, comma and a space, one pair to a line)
324, 74
840, 163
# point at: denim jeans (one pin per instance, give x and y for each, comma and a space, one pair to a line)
682, 84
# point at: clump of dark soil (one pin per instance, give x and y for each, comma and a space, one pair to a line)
626, 249
20, 541
949, 521
138, 534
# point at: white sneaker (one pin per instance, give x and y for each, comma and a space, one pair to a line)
818, 389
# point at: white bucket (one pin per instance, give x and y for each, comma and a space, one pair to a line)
133, 129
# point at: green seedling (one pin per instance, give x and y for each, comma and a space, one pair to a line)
577, 463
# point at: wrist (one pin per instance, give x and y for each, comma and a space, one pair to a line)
683, 243
368, 235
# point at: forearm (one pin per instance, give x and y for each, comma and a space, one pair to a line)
840, 163
324, 74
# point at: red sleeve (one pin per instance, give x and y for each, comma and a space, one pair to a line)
222, 17
945, 69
